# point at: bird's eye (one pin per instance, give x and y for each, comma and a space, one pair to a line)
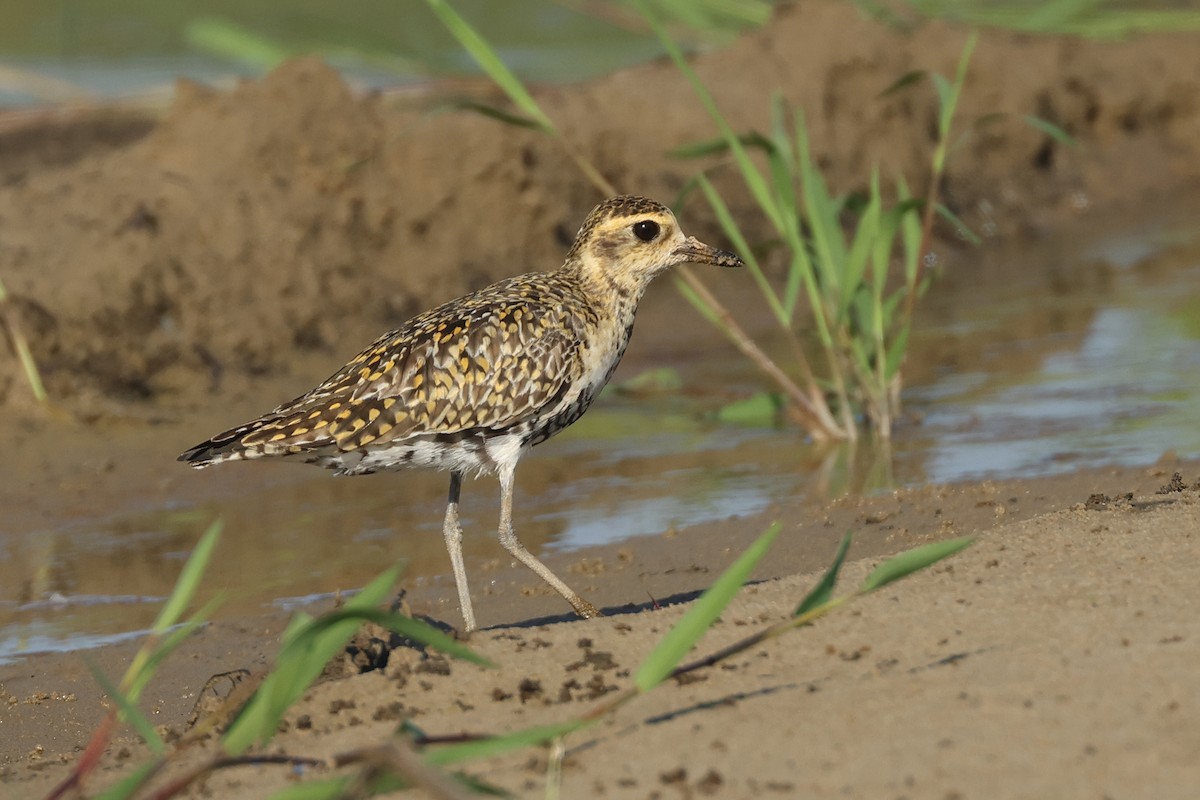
645, 229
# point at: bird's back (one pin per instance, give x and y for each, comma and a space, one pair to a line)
493, 363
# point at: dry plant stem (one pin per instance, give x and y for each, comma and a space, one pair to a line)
588, 169
848, 430
875, 406
558, 751
20, 346
813, 416
815, 396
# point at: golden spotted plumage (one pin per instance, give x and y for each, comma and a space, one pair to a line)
474, 383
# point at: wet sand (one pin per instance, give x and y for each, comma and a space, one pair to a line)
1053, 658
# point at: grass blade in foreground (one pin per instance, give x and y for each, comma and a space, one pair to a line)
910, 561
297, 669
129, 785
226, 39
149, 656
145, 663
189, 579
700, 617
823, 591
498, 745
491, 64
132, 714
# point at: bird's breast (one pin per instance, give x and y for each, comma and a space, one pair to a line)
598, 361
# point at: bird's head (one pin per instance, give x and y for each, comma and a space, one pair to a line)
626, 241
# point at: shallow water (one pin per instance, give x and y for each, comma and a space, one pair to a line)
1042, 359
1103, 368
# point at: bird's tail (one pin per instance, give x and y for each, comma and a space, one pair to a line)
225, 446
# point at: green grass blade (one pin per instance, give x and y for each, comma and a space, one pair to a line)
960, 227
698, 303
700, 617
167, 645
226, 39
903, 82
950, 104
498, 745
860, 348
187, 627
490, 62
139, 670
822, 213
759, 410
507, 117
743, 248
823, 592
1050, 129
910, 231
129, 711
750, 174
298, 666
867, 232
884, 244
189, 580
720, 145
782, 162
945, 95
910, 561
896, 350
783, 158
793, 283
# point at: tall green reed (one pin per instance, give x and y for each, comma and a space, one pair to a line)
860, 285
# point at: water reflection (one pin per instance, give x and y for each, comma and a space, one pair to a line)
1124, 388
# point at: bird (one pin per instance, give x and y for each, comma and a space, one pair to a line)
471, 385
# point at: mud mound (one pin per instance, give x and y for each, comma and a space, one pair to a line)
219, 222
291, 214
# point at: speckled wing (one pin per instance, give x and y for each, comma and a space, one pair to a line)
491, 365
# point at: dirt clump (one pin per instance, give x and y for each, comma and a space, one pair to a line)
291, 214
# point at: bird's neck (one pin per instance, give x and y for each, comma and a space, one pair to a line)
614, 294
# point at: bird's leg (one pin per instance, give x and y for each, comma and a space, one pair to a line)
452, 530
509, 541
